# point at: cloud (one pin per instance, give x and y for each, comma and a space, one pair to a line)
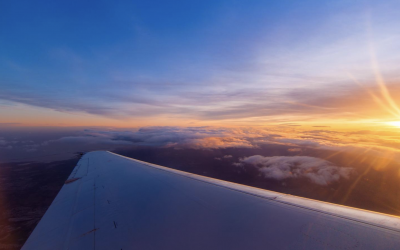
192, 137
317, 170
345, 100
85, 143
289, 139
9, 123
224, 157
222, 137
96, 106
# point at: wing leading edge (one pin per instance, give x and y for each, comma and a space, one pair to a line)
114, 202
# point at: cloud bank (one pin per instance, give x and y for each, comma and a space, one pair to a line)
189, 137
317, 170
293, 140
297, 139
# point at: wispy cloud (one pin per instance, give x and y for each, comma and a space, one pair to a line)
347, 101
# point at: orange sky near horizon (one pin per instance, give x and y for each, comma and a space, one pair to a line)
28, 116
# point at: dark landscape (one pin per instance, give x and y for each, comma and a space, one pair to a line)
26, 191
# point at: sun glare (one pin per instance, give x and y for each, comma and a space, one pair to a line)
394, 123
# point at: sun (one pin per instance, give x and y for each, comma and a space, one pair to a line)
394, 123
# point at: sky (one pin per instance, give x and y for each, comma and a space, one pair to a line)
199, 63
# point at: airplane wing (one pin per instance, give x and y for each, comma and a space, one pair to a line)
114, 202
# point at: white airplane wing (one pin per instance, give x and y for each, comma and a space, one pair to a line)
114, 202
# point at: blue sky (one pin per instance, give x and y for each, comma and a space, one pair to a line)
196, 61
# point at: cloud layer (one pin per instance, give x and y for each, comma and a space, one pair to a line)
296, 138
317, 170
192, 137
293, 140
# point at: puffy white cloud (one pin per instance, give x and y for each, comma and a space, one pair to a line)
317, 170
